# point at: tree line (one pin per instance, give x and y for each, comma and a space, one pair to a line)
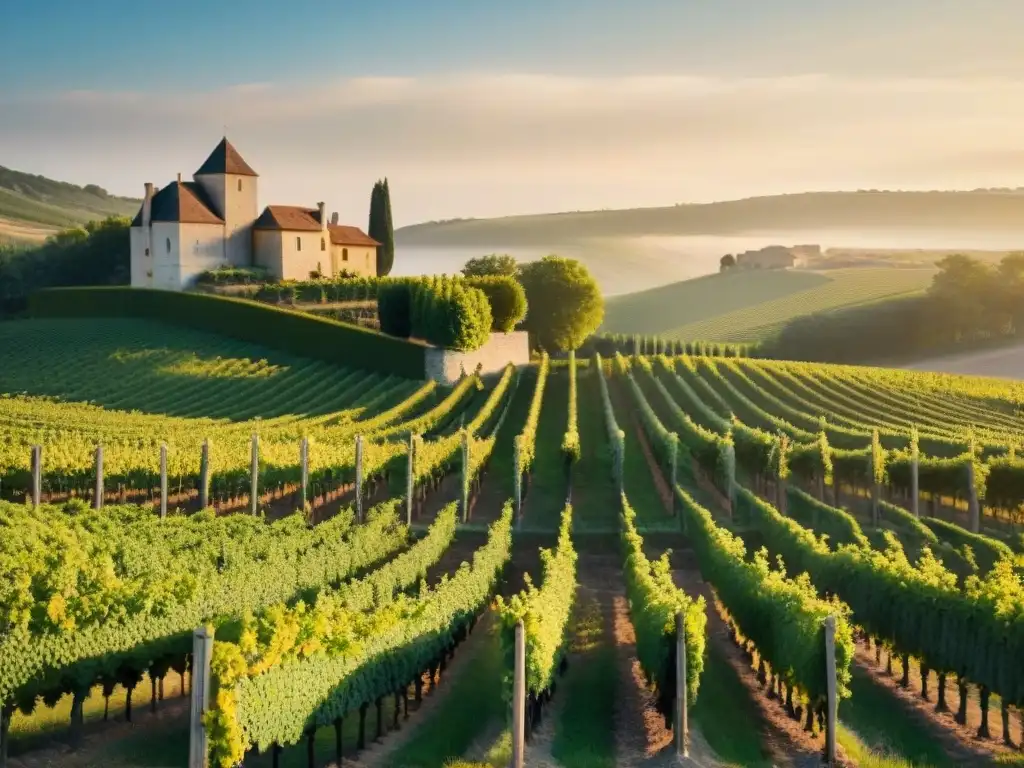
97, 253
564, 304
968, 304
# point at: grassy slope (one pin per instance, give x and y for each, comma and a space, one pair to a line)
750, 306
691, 301
812, 210
24, 197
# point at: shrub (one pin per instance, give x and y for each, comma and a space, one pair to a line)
506, 297
450, 314
566, 300
493, 264
229, 275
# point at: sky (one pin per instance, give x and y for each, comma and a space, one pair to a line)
477, 108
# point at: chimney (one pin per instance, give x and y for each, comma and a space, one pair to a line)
179, 177
334, 218
147, 205
323, 216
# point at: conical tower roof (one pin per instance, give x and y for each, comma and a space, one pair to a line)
225, 159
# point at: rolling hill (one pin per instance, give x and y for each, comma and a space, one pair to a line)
751, 305
978, 210
32, 207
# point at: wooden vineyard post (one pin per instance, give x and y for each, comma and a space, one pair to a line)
973, 506
304, 471
97, 494
915, 490
673, 456
465, 476
874, 494
204, 476
681, 724
622, 464
517, 481
37, 475
619, 449
254, 476
730, 476
832, 715
202, 650
410, 478
519, 699
359, 478
163, 480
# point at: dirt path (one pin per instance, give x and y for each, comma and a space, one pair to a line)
378, 754
786, 741
171, 715
641, 737
959, 741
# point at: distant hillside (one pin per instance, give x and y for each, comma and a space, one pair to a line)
751, 305
38, 204
811, 210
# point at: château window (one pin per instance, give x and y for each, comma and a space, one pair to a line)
168, 245
298, 243
323, 243
147, 251
344, 254
239, 185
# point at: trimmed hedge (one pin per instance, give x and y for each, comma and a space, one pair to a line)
293, 332
233, 276
506, 297
450, 314
394, 308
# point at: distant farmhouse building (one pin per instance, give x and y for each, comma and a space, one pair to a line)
190, 227
772, 257
806, 253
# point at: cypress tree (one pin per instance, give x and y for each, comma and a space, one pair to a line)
381, 227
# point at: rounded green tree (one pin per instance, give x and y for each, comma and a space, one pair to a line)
490, 265
564, 302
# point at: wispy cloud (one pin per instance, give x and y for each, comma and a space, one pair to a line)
488, 144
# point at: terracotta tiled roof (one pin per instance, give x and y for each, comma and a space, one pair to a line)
341, 235
181, 201
225, 159
292, 218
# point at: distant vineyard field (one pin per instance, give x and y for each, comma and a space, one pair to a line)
750, 306
133, 386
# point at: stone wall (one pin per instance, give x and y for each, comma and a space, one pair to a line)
446, 366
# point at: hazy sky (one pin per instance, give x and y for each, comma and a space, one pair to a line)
491, 107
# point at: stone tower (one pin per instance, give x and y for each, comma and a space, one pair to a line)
231, 186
